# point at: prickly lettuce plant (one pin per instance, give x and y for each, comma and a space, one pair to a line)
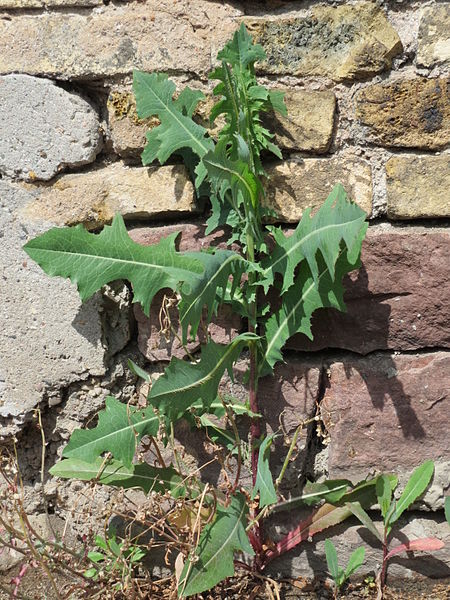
304, 271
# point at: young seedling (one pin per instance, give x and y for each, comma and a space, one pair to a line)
391, 511
340, 576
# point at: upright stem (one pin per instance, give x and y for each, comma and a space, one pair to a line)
256, 536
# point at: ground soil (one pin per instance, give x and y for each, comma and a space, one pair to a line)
36, 586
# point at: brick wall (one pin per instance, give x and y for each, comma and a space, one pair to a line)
367, 94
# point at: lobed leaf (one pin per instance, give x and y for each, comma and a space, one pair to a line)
154, 97
93, 260
142, 475
184, 384
301, 300
120, 428
337, 222
213, 558
264, 482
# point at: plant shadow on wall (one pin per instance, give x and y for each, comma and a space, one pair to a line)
275, 283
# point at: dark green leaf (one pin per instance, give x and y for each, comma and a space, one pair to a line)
114, 473
384, 494
154, 97
447, 509
300, 301
119, 430
330, 491
264, 483
185, 383
214, 554
203, 291
136, 369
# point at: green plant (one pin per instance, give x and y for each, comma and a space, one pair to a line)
391, 511
302, 271
339, 575
113, 555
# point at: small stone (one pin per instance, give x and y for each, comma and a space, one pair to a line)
44, 128
417, 187
127, 130
309, 124
412, 113
341, 42
93, 198
48, 339
434, 36
295, 185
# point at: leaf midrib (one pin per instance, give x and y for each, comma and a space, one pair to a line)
175, 116
202, 571
112, 433
306, 237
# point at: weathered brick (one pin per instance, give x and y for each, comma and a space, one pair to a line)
412, 113
49, 3
387, 413
156, 36
341, 42
47, 339
417, 187
298, 184
93, 198
310, 121
44, 128
399, 299
127, 131
434, 36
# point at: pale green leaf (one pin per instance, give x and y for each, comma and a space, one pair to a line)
330, 491
447, 509
185, 383
217, 545
417, 484
91, 261
114, 473
337, 222
332, 559
120, 428
264, 483
384, 494
355, 561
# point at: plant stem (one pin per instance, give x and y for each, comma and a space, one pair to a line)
384, 565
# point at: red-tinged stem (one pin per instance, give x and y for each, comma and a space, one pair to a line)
384, 565
292, 539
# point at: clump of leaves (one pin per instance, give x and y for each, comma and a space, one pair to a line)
340, 576
114, 557
391, 511
304, 269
